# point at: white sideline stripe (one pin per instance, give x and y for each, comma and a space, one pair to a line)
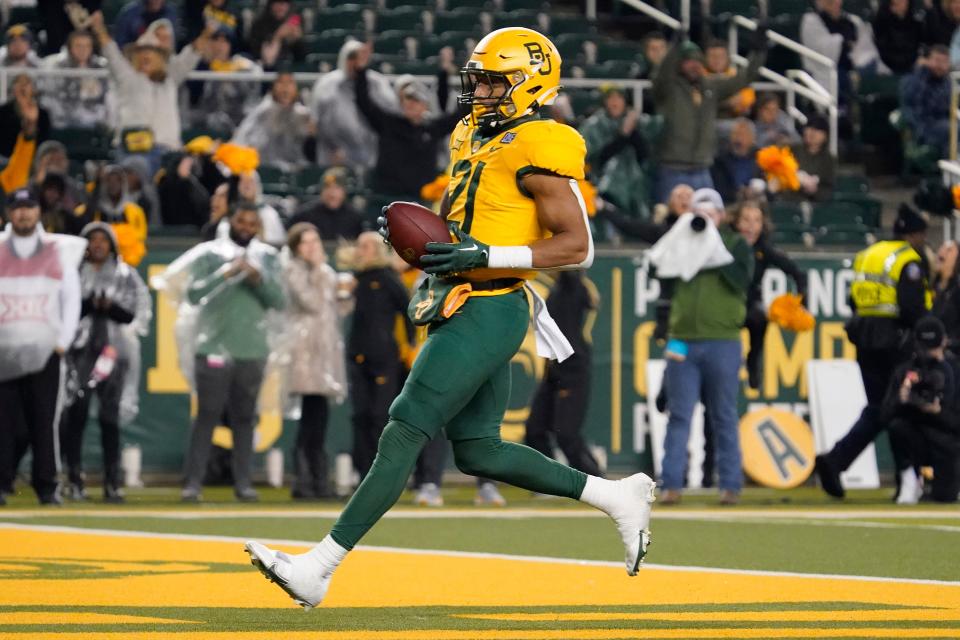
800, 516
472, 554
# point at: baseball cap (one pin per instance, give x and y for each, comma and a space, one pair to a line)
19, 31
909, 220
20, 198
706, 198
691, 51
929, 332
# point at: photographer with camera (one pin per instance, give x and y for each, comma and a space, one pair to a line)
920, 410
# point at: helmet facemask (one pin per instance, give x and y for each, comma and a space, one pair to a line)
489, 112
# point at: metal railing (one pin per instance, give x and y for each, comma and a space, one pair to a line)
954, 111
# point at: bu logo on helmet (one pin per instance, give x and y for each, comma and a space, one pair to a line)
537, 54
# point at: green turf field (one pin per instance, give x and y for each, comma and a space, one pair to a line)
782, 564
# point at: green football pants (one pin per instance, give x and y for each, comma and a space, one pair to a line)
461, 381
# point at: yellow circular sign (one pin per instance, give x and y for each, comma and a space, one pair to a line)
778, 449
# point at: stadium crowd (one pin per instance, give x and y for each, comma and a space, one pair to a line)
262, 262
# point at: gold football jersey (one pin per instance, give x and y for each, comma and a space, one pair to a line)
486, 194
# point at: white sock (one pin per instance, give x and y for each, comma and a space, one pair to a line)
601, 493
328, 553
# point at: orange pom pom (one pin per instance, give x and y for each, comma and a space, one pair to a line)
956, 196
238, 159
129, 244
788, 312
433, 191
589, 193
779, 163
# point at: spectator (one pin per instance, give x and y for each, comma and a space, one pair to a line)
331, 213
842, 37
22, 114
898, 31
81, 103
233, 281
113, 296
198, 15
276, 35
317, 366
38, 270
248, 188
925, 100
946, 293
616, 151
750, 221
920, 406
210, 172
703, 354
689, 103
148, 114
559, 405
18, 51
774, 127
279, 127
110, 202
372, 351
408, 144
219, 208
161, 32
51, 157
58, 25
941, 22
220, 105
142, 188
134, 19
654, 51
56, 214
817, 167
345, 137
183, 200
717, 62
735, 170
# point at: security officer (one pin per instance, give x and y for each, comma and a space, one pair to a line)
890, 292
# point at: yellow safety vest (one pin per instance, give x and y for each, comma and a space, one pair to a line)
877, 271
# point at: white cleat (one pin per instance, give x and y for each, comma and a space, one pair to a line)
304, 577
633, 518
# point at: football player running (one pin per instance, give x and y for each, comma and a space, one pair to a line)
514, 207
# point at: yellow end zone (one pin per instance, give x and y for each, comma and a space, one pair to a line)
138, 570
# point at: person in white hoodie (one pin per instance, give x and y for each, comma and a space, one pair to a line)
39, 313
147, 86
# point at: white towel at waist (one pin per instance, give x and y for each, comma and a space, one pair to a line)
551, 343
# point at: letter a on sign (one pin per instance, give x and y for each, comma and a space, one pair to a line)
777, 448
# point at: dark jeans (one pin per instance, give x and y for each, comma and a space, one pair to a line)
33, 399
918, 445
668, 178
709, 373
310, 458
373, 386
560, 407
233, 388
75, 422
876, 367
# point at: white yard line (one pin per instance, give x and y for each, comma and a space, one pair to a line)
471, 554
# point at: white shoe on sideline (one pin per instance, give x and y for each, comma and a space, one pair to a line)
428, 496
489, 496
911, 487
632, 517
304, 577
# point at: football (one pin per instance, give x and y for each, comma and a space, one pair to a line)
411, 227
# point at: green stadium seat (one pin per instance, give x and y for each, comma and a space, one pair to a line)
270, 174
570, 45
846, 238
446, 21
451, 5
518, 18
583, 101
401, 19
328, 41
869, 209
878, 97
84, 144
839, 215
561, 23
322, 61
282, 189
392, 42
776, 8
349, 16
783, 214
415, 67
309, 177
399, 4
791, 236
725, 9
458, 40
428, 46
851, 185
531, 5
610, 49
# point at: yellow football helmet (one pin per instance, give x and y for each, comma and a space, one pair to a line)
521, 71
